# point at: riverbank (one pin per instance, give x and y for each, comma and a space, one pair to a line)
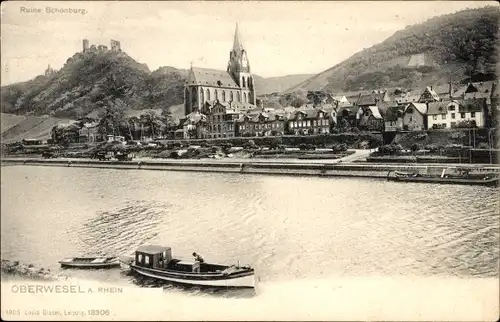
299, 167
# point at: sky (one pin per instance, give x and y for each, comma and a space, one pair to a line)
280, 37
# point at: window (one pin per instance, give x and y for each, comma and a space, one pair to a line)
239, 97
434, 117
146, 259
451, 108
452, 115
223, 96
472, 114
462, 115
315, 123
443, 116
140, 258
308, 124
243, 82
231, 96
326, 122
216, 95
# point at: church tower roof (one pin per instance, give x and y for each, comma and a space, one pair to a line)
237, 46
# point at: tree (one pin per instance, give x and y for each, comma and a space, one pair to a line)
113, 117
152, 121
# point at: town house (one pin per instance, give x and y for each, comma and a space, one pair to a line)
371, 119
450, 114
311, 121
221, 121
393, 120
89, 133
194, 126
262, 124
442, 115
415, 117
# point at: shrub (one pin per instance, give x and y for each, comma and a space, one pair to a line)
415, 147
302, 146
355, 130
310, 146
483, 145
432, 147
339, 147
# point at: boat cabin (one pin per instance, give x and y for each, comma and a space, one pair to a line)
153, 256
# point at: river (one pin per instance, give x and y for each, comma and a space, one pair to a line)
296, 232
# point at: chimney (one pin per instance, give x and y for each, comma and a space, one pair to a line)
431, 87
450, 89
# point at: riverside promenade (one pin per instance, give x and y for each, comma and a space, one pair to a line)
344, 167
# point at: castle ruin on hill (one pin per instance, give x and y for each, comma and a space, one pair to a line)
115, 46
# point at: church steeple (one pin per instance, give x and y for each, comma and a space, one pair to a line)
237, 46
238, 61
239, 68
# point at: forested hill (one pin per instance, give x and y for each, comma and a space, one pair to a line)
91, 80
456, 45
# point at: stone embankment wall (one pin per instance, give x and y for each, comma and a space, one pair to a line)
249, 167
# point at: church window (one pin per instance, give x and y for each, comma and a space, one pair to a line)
202, 96
250, 82
243, 82
244, 97
230, 96
239, 97
208, 95
216, 96
223, 96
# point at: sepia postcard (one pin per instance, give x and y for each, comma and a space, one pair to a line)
250, 161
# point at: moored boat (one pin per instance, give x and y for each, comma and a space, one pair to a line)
91, 262
464, 178
156, 262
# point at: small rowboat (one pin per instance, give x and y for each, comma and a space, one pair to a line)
90, 262
156, 262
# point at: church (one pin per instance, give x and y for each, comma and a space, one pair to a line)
233, 88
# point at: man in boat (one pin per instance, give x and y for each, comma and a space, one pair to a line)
197, 262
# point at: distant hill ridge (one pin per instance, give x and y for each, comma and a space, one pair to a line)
457, 45
89, 80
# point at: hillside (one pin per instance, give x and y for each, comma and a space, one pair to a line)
15, 128
460, 44
89, 80
278, 84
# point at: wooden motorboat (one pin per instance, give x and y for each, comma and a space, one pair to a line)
465, 179
156, 262
91, 262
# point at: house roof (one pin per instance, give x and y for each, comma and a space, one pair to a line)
350, 109
441, 90
309, 113
393, 112
435, 108
195, 118
420, 107
476, 87
431, 91
471, 105
375, 112
210, 77
370, 99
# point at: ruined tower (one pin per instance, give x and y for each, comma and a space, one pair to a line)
85, 45
115, 45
